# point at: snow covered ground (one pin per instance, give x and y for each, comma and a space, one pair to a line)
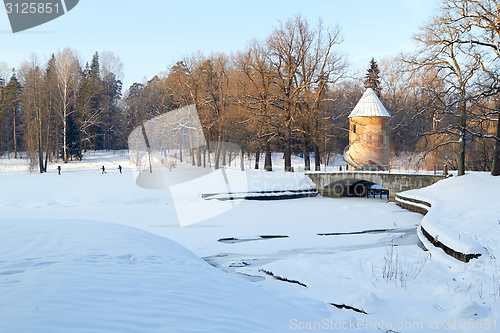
86, 251
465, 212
85, 276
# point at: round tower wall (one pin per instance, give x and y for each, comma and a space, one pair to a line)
369, 140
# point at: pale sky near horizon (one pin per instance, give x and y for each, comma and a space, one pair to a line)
151, 35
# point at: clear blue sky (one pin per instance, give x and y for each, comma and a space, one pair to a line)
151, 35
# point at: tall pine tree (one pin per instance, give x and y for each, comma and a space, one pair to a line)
11, 107
372, 79
112, 119
89, 105
73, 138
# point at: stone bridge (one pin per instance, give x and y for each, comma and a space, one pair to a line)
394, 182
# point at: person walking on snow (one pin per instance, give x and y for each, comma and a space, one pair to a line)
103, 170
120, 168
58, 169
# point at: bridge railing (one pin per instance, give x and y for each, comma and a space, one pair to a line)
435, 169
424, 169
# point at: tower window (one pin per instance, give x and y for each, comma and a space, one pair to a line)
354, 128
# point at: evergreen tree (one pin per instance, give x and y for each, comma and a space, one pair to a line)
53, 130
73, 137
135, 110
11, 106
112, 120
372, 79
89, 100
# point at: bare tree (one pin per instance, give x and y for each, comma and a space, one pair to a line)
259, 95
478, 21
304, 64
5, 71
457, 64
111, 64
68, 73
288, 45
410, 96
31, 77
50, 101
320, 69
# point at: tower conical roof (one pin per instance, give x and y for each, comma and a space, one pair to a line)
369, 106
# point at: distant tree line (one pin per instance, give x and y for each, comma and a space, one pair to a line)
290, 92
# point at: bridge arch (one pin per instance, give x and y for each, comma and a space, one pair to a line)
394, 182
355, 188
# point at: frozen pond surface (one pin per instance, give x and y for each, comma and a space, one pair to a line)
356, 253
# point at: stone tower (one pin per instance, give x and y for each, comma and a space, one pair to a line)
368, 134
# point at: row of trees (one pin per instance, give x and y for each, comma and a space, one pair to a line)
290, 92
273, 95
59, 109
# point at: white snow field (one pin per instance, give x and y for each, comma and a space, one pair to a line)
85, 276
92, 252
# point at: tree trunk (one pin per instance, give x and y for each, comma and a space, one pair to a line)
198, 156
461, 156
317, 154
307, 157
317, 158
40, 148
47, 151
204, 156
495, 168
288, 142
268, 163
217, 155
15, 135
462, 143
288, 157
257, 158
208, 150
65, 118
242, 161
223, 154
